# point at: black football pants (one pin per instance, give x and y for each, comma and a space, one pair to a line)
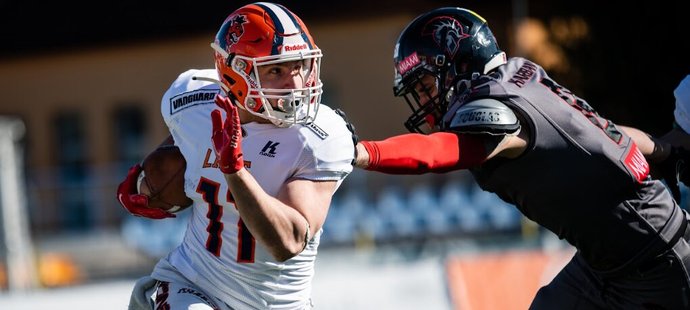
659, 283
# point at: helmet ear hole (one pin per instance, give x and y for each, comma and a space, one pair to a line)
229, 79
233, 98
461, 68
228, 60
440, 60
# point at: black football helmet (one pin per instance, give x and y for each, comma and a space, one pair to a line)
450, 44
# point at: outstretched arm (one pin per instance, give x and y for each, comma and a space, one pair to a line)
438, 152
418, 153
466, 143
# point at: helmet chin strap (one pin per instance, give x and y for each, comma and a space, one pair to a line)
217, 82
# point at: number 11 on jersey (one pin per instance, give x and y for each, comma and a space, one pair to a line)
209, 191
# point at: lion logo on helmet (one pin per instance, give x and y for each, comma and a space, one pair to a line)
447, 32
235, 29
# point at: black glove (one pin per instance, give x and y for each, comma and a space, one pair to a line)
674, 169
351, 128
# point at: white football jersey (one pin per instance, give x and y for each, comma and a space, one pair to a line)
219, 254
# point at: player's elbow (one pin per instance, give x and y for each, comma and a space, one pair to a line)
288, 245
283, 257
285, 251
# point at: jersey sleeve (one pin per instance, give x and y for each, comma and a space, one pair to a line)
328, 149
327, 162
185, 95
186, 108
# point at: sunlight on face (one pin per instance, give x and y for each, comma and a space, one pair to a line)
287, 75
284, 75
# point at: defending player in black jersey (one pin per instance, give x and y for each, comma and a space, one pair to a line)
542, 148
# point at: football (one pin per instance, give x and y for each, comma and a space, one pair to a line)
163, 179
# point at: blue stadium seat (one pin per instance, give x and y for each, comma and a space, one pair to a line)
339, 226
496, 213
457, 204
343, 217
502, 215
424, 204
392, 213
390, 200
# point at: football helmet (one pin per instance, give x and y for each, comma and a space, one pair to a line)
262, 34
449, 44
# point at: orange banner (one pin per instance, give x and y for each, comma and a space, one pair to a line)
506, 280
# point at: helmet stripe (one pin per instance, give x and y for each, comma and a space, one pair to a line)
270, 10
476, 15
285, 23
297, 24
283, 20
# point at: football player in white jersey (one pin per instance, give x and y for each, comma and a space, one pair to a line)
262, 192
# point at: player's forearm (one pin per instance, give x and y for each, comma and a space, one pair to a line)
655, 150
417, 153
277, 226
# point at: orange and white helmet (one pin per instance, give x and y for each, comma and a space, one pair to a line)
260, 34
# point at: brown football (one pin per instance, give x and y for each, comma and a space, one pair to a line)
164, 177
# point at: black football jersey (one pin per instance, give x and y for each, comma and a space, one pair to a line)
580, 177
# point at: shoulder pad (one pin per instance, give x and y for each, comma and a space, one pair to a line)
484, 115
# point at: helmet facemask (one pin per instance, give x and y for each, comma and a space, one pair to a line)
428, 101
283, 107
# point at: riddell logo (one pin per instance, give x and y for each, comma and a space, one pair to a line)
291, 48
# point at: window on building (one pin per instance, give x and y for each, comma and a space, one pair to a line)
130, 133
129, 141
72, 171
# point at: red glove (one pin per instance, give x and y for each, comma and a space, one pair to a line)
227, 136
137, 204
